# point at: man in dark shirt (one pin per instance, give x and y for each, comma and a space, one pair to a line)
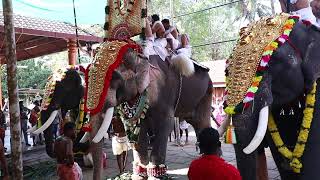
24, 122
210, 166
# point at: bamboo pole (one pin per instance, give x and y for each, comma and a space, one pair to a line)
14, 111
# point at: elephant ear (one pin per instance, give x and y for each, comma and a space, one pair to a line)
143, 75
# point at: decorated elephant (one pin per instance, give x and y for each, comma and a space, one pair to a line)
63, 92
272, 89
146, 93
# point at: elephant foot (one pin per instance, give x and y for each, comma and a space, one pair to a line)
156, 172
137, 177
139, 171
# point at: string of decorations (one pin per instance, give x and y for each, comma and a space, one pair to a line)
295, 155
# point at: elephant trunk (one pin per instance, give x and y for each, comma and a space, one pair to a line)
99, 129
46, 128
48, 136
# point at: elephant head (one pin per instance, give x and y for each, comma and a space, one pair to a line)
118, 75
63, 92
289, 70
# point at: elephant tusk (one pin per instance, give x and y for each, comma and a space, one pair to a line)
224, 125
104, 126
31, 130
261, 131
47, 123
106, 135
85, 137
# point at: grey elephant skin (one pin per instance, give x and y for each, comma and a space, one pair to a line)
66, 96
292, 70
163, 85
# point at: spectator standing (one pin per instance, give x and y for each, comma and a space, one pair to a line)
210, 166
24, 122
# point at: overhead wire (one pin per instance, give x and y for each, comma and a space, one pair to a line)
206, 9
212, 43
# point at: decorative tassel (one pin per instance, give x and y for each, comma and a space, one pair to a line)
291, 112
230, 136
299, 105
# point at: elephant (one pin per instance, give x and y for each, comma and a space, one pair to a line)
66, 94
168, 95
291, 73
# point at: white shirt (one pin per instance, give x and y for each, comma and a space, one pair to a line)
307, 14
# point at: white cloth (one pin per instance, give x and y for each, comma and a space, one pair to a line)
307, 14
120, 145
184, 125
187, 51
175, 42
156, 47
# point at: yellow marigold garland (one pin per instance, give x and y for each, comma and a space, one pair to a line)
295, 156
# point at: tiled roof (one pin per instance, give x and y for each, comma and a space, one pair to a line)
217, 72
38, 24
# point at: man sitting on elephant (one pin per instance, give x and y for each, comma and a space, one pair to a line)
156, 43
302, 8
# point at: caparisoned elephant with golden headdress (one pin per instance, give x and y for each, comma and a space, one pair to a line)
272, 89
146, 94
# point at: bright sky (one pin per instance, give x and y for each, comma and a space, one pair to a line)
88, 11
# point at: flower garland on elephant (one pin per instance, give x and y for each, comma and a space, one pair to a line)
295, 155
133, 117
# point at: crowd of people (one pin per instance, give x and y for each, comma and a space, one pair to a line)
164, 40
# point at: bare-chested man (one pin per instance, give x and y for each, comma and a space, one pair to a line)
4, 168
120, 143
67, 169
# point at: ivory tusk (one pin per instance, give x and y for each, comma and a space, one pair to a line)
47, 123
224, 125
31, 130
261, 131
85, 137
104, 126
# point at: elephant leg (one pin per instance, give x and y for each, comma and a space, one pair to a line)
157, 167
140, 153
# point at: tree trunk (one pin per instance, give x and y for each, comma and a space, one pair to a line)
15, 127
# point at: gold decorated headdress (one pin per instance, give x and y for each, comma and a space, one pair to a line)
99, 75
251, 55
125, 18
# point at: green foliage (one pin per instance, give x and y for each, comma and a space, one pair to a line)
214, 25
30, 74
34, 73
